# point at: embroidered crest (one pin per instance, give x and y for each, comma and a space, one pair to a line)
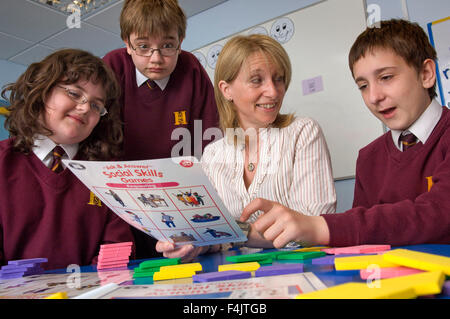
94, 200
180, 118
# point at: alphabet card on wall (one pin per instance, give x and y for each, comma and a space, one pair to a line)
169, 199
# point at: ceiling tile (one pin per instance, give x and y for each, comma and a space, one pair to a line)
29, 21
34, 54
193, 7
12, 46
87, 37
107, 19
31, 30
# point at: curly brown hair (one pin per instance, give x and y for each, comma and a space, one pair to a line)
67, 66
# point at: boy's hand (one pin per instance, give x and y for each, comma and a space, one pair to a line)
282, 225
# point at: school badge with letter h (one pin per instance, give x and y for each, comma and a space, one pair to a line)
180, 118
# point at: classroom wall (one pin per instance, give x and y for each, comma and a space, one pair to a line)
245, 14
9, 72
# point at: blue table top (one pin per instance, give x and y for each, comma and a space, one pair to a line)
326, 273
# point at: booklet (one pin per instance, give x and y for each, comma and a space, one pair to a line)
169, 199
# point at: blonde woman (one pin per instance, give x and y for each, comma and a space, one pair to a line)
263, 154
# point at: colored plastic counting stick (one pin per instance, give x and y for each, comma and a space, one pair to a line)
116, 245
143, 275
173, 275
361, 249
426, 283
325, 260
361, 262
446, 288
355, 290
221, 275
418, 260
159, 262
27, 261
279, 270
388, 272
248, 258
191, 266
250, 266
143, 281
58, 295
301, 255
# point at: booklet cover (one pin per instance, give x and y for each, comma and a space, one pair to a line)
169, 199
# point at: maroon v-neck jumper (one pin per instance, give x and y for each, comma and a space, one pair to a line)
151, 115
401, 198
49, 215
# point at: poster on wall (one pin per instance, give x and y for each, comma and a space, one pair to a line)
439, 33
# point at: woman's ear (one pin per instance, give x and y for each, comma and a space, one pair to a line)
225, 88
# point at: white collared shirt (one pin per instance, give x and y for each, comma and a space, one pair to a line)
43, 147
141, 79
423, 126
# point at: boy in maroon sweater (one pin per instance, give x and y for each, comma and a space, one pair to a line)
402, 187
167, 97
164, 88
69, 101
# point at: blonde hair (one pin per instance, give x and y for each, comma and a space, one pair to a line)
150, 17
231, 58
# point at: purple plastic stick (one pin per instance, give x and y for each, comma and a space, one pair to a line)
446, 288
28, 261
221, 275
279, 270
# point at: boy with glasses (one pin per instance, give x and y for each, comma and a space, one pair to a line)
163, 88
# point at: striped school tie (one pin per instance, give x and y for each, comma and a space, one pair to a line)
151, 84
408, 141
57, 154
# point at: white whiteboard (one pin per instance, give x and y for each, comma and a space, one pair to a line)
318, 48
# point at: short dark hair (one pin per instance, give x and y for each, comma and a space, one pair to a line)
407, 39
148, 17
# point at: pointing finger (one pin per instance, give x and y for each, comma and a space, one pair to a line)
255, 205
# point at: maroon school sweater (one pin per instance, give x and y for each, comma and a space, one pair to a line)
401, 198
44, 214
150, 116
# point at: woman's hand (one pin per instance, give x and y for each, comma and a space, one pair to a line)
187, 253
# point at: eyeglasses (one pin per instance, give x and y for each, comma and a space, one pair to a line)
144, 50
78, 97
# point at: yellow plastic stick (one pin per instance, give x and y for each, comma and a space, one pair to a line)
164, 275
361, 262
191, 266
250, 266
354, 290
418, 260
58, 295
427, 283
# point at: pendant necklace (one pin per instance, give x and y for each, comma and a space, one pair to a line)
251, 167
